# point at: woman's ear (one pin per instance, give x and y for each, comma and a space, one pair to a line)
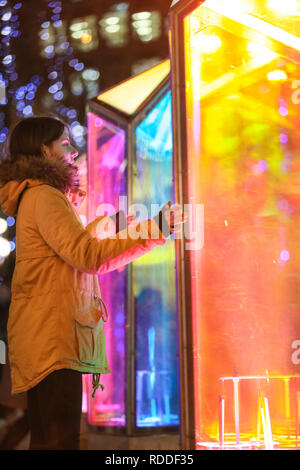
45, 150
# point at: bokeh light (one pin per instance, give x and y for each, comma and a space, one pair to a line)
3, 225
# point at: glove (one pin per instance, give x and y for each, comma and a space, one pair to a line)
170, 219
120, 220
163, 222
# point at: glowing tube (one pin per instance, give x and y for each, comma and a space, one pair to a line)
151, 348
221, 420
263, 419
84, 394
297, 416
268, 424
236, 409
258, 428
287, 397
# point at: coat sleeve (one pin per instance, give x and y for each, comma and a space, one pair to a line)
64, 233
92, 226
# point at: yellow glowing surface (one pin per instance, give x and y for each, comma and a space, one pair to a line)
242, 140
239, 12
130, 94
277, 75
287, 7
157, 257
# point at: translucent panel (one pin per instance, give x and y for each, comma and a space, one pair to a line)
154, 278
81, 163
130, 94
258, 411
106, 182
84, 393
80, 204
282, 14
243, 137
153, 135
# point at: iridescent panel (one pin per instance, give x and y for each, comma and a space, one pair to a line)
242, 105
129, 95
106, 182
154, 277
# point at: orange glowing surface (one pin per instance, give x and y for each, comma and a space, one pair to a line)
243, 134
131, 93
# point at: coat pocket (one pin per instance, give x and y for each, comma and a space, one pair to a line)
90, 335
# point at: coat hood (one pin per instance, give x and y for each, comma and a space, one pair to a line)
30, 171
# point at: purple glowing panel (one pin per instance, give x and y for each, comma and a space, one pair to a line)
106, 182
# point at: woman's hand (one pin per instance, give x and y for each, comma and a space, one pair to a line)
131, 219
173, 217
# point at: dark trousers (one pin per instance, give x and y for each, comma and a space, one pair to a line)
54, 411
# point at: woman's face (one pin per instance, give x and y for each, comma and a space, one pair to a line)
61, 149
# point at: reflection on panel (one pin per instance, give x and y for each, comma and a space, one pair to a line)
154, 278
134, 119
106, 182
243, 165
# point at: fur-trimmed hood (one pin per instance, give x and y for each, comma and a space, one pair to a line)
29, 171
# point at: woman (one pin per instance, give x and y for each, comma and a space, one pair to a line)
55, 326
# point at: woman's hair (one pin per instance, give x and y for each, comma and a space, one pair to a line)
29, 134
24, 157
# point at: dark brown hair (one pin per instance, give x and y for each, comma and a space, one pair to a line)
29, 134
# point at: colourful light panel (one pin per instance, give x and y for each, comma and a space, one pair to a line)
79, 201
154, 278
130, 94
151, 285
243, 135
106, 182
82, 197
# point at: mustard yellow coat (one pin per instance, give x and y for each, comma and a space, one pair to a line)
56, 316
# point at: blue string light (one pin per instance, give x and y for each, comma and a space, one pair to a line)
57, 56
12, 246
10, 221
21, 96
